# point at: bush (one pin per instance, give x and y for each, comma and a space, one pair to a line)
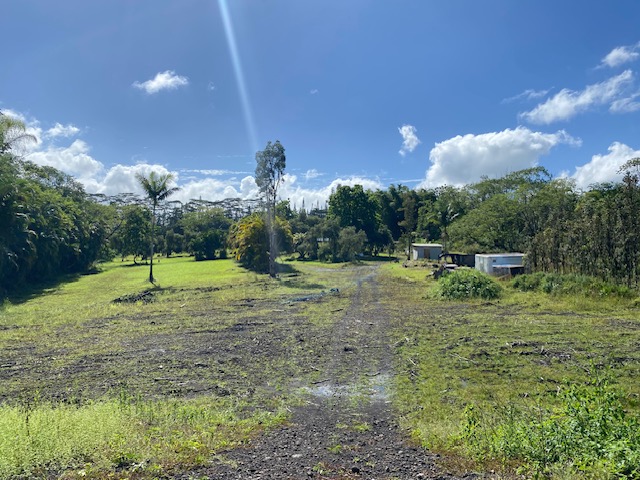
590, 434
569, 284
468, 283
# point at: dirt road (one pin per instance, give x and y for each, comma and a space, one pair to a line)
346, 427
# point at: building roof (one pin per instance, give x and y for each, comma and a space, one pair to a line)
499, 254
426, 245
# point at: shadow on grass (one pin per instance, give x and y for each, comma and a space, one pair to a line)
287, 269
24, 293
379, 258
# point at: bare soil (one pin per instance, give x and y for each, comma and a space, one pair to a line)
258, 349
346, 429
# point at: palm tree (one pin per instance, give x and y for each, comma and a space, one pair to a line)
156, 187
13, 132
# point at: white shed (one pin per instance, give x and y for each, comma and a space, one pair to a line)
428, 251
500, 263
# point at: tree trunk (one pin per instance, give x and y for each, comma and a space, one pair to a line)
272, 240
153, 228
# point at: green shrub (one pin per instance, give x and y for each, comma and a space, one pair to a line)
569, 284
590, 434
529, 282
468, 283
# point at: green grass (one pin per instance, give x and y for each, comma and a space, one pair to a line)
521, 352
116, 434
93, 388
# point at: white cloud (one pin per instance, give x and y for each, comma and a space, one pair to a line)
214, 172
409, 139
74, 160
314, 91
568, 103
319, 197
59, 130
311, 174
528, 94
167, 80
465, 159
604, 168
122, 179
621, 55
626, 104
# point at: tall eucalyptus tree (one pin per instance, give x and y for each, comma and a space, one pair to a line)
270, 165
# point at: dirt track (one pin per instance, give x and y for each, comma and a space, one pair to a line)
346, 428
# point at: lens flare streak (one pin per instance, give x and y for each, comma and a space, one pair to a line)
237, 68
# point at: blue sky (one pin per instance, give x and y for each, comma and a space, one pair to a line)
375, 92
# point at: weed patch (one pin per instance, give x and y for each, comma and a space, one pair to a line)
589, 434
123, 434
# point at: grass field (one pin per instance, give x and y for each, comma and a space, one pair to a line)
91, 387
515, 356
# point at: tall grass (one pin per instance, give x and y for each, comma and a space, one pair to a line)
109, 435
589, 434
569, 284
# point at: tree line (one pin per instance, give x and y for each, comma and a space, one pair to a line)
51, 226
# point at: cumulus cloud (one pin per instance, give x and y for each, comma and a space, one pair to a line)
465, 159
604, 168
59, 130
621, 55
568, 103
167, 80
122, 178
409, 139
314, 91
290, 190
73, 159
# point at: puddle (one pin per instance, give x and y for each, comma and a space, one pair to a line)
376, 387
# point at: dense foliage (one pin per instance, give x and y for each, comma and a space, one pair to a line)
468, 283
589, 434
49, 225
569, 284
249, 241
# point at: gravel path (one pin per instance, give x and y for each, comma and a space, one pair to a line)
346, 429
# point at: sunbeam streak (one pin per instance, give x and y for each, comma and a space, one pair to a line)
237, 68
